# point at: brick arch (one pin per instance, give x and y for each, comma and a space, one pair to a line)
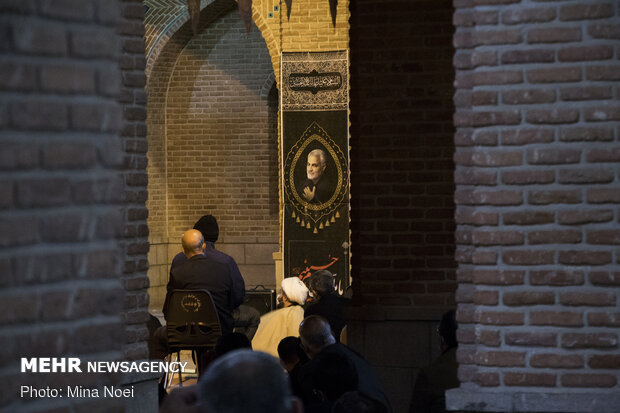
164, 19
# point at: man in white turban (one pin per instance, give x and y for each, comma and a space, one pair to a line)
276, 325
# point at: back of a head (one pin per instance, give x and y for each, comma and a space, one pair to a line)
334, 374
322, 282
192, 241
290, 351
245, 381
207, 225
315, 334
447, 328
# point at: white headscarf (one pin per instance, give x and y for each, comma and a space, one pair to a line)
295, 290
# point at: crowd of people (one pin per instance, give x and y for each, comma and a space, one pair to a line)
290, 359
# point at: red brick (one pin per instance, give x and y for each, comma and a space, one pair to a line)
487, 379
484, 138
585, 176
39, 37
608, 319
69, 156
604, 361
602, 113
556, 318
554, 75
501, 37
604, 30
527, 177
587, 299
603, 195
465, 336
497, 238
469, 197
603, 237
490, 338
554, 197
530, 96
15, 156
531, 339
525, 217
484, 98
554, 237
576, 134
486, 298
585, 53
552, 116
463, 18
490, 118
495, 277
554, 35
589, 340
501, 77
556, 278
484, 58
463, 39
529, 379
527, 298
605, 278
545, 156
528, 257
528, 56
571, 12
488, 158
493, 2
499, 318
589, 380
556, 361
579, 217
604, 155
528, 15
584, 257
586, 93
471, 216
475, 177
527, 136
602, 73
482, 18
36, 114
500, 358
484, 257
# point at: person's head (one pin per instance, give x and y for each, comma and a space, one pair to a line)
447, 330
193, 243
207, 225
316, 165
294, 291
357, 402
246, 381
291, 353
322, 283
315, 334
230, 342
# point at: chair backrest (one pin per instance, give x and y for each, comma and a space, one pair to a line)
192, 320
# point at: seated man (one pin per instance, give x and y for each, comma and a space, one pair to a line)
318, 342
246, 317
292, 358
198, 273
240, 381
284, 322
327, 304
429, 391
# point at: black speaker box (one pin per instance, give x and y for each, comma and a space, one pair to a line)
261, 298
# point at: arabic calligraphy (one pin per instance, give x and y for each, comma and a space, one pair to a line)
314, 81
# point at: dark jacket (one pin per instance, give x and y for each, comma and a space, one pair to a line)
238, 287
330, 307
201, 273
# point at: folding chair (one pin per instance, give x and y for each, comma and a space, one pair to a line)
192, 324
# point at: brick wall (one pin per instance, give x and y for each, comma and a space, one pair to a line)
537, 204
402, 186
215, 146
63, 195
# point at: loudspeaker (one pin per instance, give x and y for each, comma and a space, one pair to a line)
261, 298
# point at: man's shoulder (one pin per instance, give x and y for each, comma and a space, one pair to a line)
219, 256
